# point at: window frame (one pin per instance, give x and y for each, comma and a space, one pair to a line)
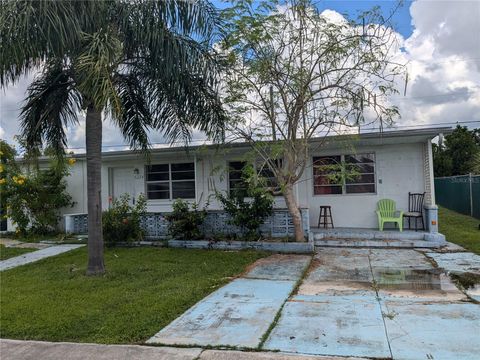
170, 181
344, 183
246, 162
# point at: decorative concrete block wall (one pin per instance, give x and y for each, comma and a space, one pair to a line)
279, 224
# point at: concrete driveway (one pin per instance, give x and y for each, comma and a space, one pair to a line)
373, 303
380, 303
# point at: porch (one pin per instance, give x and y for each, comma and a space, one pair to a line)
364, 237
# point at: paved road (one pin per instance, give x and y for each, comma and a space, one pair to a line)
36, 256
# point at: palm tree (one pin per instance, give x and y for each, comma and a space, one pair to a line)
145, 64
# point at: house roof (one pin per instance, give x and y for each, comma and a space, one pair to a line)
377, 138
370, 138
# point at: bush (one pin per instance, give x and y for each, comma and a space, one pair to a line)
32, 197
185, 222
248, 208
122, 222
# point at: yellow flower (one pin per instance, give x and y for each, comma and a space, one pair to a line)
72, 161
17, 231
1, 168
20, 181
3, 181
1, 153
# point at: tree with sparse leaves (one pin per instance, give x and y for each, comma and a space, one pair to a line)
296, 74
145, 64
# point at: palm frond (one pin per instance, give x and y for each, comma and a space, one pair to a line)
52, 103
135, 118
168, 45
33, 31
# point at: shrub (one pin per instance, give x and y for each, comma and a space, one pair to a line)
122, 222
248, 208
185, 222
32, 197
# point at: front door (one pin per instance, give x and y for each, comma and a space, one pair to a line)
123, 182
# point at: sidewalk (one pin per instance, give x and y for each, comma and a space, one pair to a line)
36, 256
34, 350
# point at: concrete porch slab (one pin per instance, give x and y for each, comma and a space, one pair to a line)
422, 330
331, 325
357, 237
364, 233
236, 315
279, 267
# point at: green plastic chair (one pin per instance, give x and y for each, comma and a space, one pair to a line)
387, 212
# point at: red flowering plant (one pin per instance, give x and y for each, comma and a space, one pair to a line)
122, 221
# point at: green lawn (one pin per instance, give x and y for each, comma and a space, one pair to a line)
460, 229
144, 290
8, 252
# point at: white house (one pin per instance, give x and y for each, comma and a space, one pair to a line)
392, 164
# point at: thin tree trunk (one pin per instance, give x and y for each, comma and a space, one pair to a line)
294, 212
93, 135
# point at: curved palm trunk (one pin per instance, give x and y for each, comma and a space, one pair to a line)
294, 212
93, 135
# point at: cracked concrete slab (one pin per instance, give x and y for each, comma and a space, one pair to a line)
331, 325
279, 267
239, 313
422, 330
398, 259
432, 285
338, 270
36, 256
236, 315
34, 350
459, 262
239, 355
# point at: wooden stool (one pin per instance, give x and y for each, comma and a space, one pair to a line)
325, 217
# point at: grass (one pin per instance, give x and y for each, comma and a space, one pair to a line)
143, 290
8, 252
460, 229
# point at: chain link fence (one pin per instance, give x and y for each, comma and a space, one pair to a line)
459, 193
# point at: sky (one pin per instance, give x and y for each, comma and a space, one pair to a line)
441, 44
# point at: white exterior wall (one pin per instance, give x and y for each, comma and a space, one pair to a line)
399, 169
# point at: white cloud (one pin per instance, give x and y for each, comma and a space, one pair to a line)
444, 64
443, 55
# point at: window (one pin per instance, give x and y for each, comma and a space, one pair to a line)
270, 177
235, 176
235, 169
344, 174
170, 181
